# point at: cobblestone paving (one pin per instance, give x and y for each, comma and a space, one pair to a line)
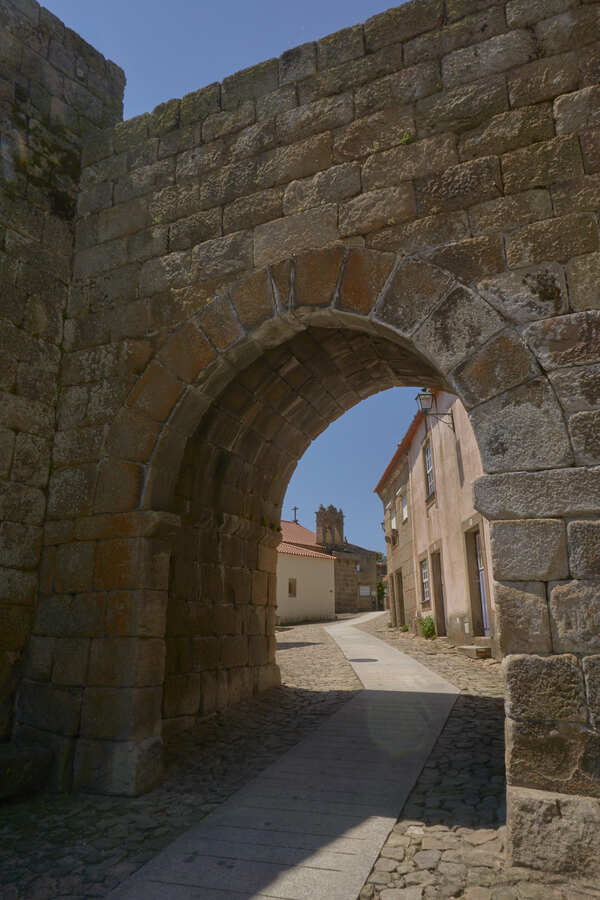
449, 839
83, 846
447, 843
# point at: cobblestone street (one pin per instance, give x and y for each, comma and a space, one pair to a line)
449, 839
82, 846
447, 843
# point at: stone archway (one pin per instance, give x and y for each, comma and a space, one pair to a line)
137, 299
190, 484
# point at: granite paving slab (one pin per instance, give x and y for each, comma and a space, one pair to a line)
312, 824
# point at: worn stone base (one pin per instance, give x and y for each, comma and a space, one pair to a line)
60, 776
23, 768
124, 768
554, 832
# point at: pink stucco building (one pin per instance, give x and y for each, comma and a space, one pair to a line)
438, 545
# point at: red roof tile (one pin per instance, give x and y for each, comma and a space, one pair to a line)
294, 533
295, 550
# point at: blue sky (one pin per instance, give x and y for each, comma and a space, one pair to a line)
170, 48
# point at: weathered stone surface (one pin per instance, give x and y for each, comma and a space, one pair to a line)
521, 429
246, 212
556, 756
297, 63
529, 550
584, 428
591, 671
316, 277
249, 83
543, 80
529, 494
574, 609
462, 108
583, 275
126, 662
254, 302
402, 23
558, 239
545, 688
541, 829
70, 491
402, 87
578, 110
334, 184
127, 768
376, 209
537, 292
590, 141
542, 164
522, 621
120, 713
220, 124
504, 51
520, 13
415, 291
504, 362
295, 234
408, 161
222, 258
571, 30
566, 340
508, 131
373, 133
459, 187
24, 768
285, 164
577, 388
363, 280
422, 234
471, 29
584, 548
471, 259
340, 47
473, 323
314, 118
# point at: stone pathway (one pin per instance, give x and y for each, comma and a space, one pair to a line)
83, 846
312, 824
449, 839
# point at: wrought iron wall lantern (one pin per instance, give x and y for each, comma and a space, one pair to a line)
425, 400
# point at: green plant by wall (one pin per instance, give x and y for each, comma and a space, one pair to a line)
427, 627
404, 628
380, 595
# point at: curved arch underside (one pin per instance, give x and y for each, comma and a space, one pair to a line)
228, 495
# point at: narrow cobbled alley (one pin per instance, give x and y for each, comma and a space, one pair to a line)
447, 843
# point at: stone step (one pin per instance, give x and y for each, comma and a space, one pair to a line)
475, 651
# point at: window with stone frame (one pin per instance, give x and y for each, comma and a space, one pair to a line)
291, 587
429, 474
425, 592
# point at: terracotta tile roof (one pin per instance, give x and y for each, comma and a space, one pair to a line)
295, 550
294, 533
